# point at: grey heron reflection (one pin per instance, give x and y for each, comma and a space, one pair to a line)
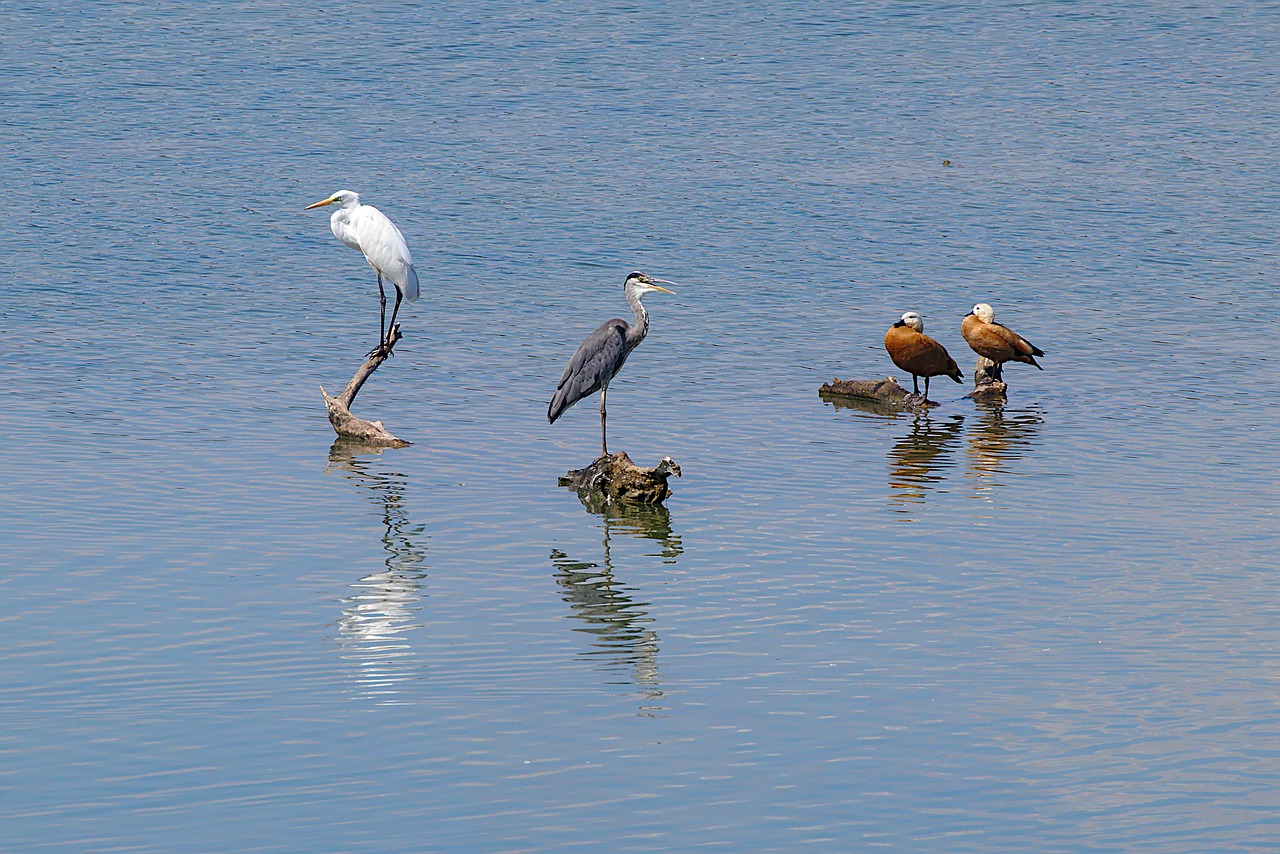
623, 640
384, 603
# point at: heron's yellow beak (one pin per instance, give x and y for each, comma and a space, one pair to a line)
660, 288
321, 204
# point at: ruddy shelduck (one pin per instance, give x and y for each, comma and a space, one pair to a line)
918, 354
998, 343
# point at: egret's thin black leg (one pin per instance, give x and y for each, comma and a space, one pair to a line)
382, 298
382, 330
396, 310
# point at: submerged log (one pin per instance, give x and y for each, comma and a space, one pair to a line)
349, 426
886, 390
884, 393
615, 478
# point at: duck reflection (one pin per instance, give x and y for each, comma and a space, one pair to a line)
386, 602
620, 627
917, 460
997, 439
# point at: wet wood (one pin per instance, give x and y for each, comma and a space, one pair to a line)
349, 426
986, 382
615, 478
882, 395
886, 390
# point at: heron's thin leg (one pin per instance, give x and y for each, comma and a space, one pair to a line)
604, 444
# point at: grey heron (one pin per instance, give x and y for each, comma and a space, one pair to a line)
368, 229
600, 357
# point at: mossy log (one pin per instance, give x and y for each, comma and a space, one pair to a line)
349, 426
614, 477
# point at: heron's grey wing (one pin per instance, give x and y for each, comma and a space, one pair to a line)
596, 361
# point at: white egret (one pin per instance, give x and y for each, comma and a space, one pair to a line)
600, 356
366, 228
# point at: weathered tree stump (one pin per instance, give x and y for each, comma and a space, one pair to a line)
349, 426
615, 478
885, 392
987, 384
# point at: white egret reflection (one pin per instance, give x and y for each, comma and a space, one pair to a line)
375, 618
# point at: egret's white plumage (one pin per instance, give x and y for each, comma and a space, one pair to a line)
368, 229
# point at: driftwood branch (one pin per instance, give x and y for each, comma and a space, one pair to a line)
615, 478
349, 426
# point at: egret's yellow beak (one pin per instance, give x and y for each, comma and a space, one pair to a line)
321, 204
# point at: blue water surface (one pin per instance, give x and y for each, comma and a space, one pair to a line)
1048, 624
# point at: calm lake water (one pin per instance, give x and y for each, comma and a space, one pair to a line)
1048, 625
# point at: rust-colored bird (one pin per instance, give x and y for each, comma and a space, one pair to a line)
998, 343
918, 354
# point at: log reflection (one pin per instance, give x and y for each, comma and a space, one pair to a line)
622, 638
385, 603
887, 408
